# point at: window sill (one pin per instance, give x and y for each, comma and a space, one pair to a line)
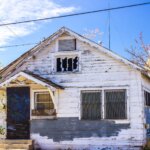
69, 52
69, 72
123, 121
42, 117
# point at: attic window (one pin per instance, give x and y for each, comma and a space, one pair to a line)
67, 45
67, 64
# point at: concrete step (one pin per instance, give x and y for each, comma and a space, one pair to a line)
16, 141
16, 144
12, 149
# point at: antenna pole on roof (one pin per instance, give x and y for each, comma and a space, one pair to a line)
109, 34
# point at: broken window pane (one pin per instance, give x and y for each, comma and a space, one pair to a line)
75, 63
70, 64
64, 64
147, 98
115, 104
67, 64
59, 69
67, 45
91, 105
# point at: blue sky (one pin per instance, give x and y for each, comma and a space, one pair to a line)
126, 24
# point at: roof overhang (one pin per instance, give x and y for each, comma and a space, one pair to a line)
33, 77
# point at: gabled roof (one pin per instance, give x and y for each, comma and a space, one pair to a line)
33, 77
18, 62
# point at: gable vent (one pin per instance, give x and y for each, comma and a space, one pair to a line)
67, 45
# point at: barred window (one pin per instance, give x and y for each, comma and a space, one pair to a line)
115, 104
67, 45
91, 105
147, 98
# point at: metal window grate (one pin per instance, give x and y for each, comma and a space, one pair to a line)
115, 105
91, 105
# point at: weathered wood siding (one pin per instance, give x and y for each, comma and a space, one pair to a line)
2, 114
97, 71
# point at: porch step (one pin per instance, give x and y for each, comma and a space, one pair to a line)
16, 145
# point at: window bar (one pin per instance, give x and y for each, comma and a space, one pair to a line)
103, 105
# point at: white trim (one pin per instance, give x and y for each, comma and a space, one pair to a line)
6, 82
103, 105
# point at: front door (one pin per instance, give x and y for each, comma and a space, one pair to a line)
18, 113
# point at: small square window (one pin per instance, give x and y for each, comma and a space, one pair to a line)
43, 104
67, 45
67, 64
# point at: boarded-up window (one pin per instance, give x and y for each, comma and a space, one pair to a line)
67, 45
91, 105
115, 104
147, 98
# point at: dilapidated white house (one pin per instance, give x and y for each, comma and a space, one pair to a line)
69, 92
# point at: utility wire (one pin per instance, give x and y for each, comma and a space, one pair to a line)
109, 27
76, 14
11, 31
17, 45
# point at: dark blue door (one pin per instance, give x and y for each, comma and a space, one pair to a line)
18, 113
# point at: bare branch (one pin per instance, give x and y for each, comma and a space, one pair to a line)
140, 53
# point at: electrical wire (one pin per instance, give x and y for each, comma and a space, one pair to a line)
75, 14
63, 16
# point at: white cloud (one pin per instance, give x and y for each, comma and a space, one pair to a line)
19, 10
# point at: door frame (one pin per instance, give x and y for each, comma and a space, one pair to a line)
29, 108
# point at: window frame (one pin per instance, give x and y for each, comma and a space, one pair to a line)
32, 105
67, 56
75, 44
81, 107
66, 38
102, 89
148, 91
35, 97
115, 90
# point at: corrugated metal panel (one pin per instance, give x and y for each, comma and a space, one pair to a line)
91, 105
67, 45
115, 105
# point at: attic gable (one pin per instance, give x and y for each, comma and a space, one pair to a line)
63, 32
